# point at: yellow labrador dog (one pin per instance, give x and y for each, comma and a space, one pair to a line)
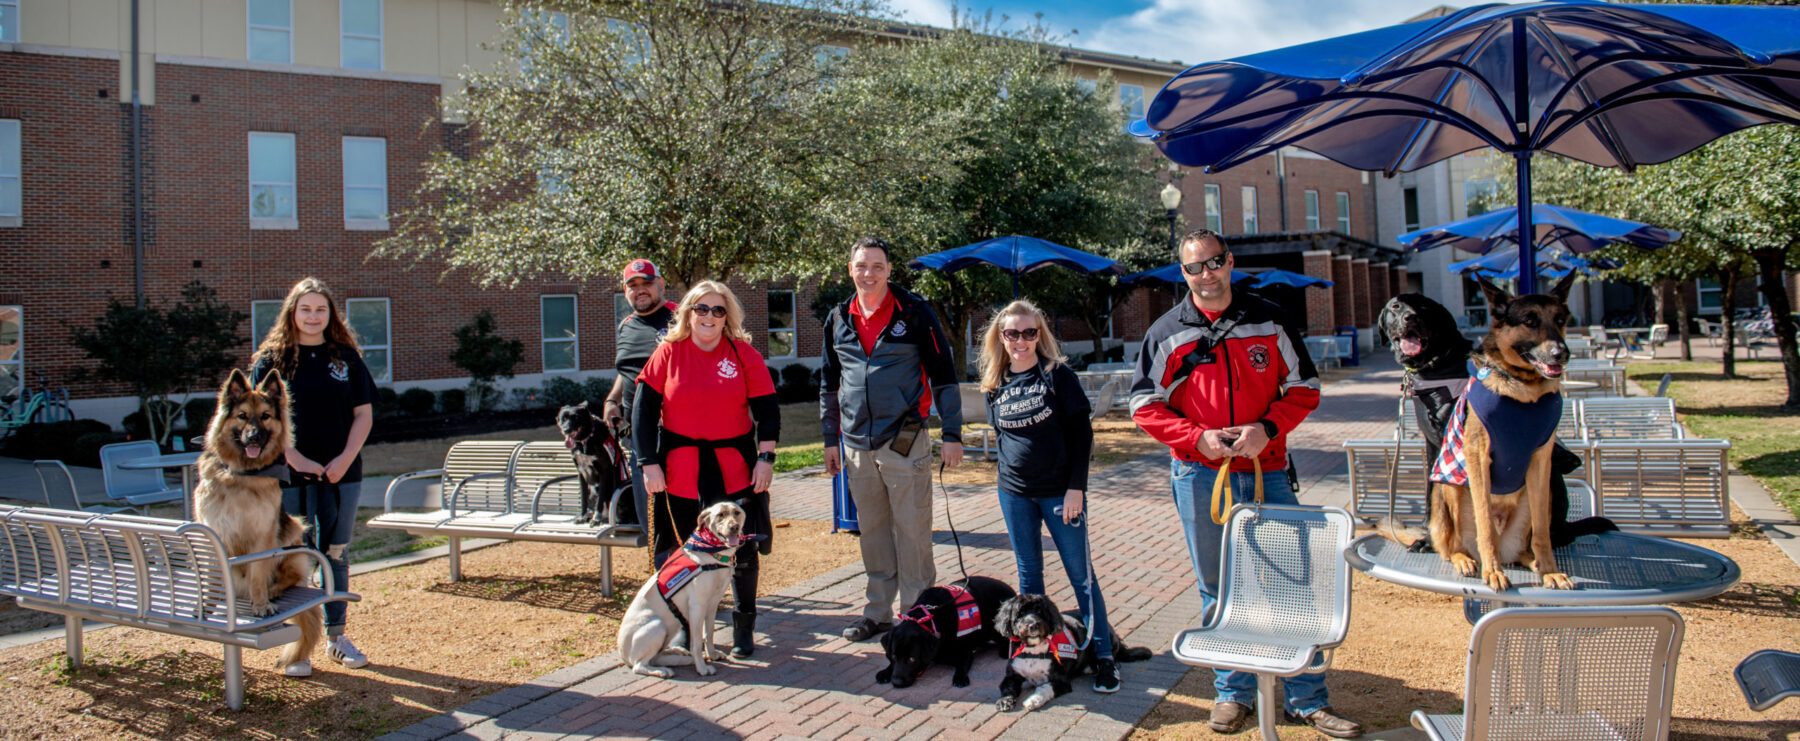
689, 586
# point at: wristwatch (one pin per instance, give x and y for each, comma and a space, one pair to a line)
767, 457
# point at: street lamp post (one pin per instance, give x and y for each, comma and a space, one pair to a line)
1171, 200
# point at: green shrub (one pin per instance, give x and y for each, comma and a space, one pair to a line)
597, 388
199, 413
387, 403
85, 451
417, 402
139, 428
798, 383
559, 391
453, 401
53, 441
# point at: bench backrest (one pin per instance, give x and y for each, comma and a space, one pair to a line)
1572, 673
1610, 381
1636, 418
1661, 482
474, 457
1369, 462
541, 462
121, 482
124, 565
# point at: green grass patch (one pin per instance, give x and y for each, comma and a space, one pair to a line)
1765, 442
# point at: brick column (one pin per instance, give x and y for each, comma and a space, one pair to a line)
1379, 288
1397, 277
1343, 294
1359, 301
1320, 319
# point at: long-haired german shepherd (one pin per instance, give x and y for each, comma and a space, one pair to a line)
249, 433
1507, 421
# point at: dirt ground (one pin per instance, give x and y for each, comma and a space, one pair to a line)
1386, 669
521, 611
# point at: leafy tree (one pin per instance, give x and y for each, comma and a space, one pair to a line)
709, 136
486, 356
183, 349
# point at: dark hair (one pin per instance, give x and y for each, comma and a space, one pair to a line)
1200, 235
872, 243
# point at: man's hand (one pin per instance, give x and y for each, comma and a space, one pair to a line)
1215, 444
832, 464
952, 454
612, 413
653, 479
1251, 439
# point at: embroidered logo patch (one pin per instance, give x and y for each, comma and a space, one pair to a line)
340, 370
1259, 357
727, 369
899, 329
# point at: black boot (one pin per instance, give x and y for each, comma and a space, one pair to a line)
743, 633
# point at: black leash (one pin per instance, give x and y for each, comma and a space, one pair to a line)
953, 536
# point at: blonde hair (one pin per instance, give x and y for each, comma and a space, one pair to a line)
684, 313
994, 359
280, 347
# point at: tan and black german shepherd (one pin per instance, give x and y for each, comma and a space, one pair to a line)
249, 432
1520, 360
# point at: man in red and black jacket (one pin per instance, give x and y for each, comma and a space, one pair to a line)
1221, 380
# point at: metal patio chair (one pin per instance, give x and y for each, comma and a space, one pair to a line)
137, 487
1567, 673
59, 490
1767, 677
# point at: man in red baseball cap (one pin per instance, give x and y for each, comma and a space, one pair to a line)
636, 337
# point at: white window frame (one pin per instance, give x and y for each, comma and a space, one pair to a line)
275, 222
289, 30
273, 305
621, 308
793, 332
12, 166
1214, 205
10, 33
379, 38
380, 224
1112, 308
1704, 286
1248, 196
1343, 213
1132, 106
388, 317
545, 341
16, 365
1312, 210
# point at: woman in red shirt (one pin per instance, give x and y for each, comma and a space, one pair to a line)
705, 427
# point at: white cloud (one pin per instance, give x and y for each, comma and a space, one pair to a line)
1195, 31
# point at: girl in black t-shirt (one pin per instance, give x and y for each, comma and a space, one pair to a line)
1036, 404
333, 408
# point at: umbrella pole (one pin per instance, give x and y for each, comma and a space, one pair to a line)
1527, 246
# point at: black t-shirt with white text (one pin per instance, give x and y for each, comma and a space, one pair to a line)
1045, 435
325, 393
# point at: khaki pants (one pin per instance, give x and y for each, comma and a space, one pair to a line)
893, 511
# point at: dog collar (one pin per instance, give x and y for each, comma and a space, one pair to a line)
1060, 645
277, 470
704, 541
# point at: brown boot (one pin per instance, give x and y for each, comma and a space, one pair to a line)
1327, 721
1228, 717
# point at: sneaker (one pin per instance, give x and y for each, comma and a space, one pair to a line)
1327, 721
301, 668
341, 650
1106, 676
863, 628
1228, 717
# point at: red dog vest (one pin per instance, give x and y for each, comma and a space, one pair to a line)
968, 614
1062, 646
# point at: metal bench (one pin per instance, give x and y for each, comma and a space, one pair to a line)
1767, 677
511, 490
1610, 382
1635, 418
1663, 487
1369, 468
168, 576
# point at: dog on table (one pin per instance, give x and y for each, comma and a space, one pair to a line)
686, 591
601, 463
1047, 651
945, 625
239, 497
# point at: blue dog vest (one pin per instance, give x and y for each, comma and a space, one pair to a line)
1525, 428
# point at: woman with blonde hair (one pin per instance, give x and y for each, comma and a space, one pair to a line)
332, 397
705, 427
1036, 404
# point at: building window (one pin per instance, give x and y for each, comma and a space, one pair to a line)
782, 338
359, 43
262, 319
9, 20
11, 191
1711, 295
562, 351
1091, 87
1250, 209
12, 350
1312, 210
621, 308
271, 35
1131, 98
1409, 199
365, 183
272, 181
368, 320
1474, 302
1215, 219
1343, 211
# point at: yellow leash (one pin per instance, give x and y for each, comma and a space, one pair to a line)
1222, 484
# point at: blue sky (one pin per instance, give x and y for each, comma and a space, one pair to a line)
1190, 31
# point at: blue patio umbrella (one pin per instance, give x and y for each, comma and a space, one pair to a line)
1172, 274
1551, 263
1611, 85
1016, 255
1288, 278
1576, 231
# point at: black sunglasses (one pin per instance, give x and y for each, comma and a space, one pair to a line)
718, 312
1014, 335
1216, 262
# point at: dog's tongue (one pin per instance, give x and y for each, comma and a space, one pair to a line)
1549, 371
569, 442
254, 451
1411, 345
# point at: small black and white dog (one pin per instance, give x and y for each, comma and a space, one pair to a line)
945, 625
601, 463
1046, 651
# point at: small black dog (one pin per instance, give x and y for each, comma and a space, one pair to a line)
1046, 651
601, 463
945, 625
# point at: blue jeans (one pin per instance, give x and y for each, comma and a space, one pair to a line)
1192, 484
1022, 517
329, 513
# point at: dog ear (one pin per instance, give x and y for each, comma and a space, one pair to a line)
236, 385
272, 386
1497, 298
1008, 614
1561, 291
583, 405
1381, 322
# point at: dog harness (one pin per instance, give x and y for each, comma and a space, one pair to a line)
1526, 428
681, 567
1061, 646
968, 613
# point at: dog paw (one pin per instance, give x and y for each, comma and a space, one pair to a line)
1007, 704
654, 671
262, 609
714, 653
1558, 580
1464, 564
960, 680
705, 669
1496, 579
884, 676
1035, 701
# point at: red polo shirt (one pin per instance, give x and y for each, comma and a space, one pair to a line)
869, 329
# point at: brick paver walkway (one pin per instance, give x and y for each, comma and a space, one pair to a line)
808, 682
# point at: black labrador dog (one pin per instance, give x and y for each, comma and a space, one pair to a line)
1435, 356
601, 463
945, 625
